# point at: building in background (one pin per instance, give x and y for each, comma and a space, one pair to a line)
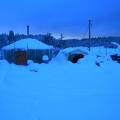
28, 49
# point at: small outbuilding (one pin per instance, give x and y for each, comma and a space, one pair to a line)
28, 49
75, 53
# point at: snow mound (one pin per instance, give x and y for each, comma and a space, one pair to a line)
29, 62
33, 67
45, 58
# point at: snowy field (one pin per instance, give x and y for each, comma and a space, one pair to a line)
61, 90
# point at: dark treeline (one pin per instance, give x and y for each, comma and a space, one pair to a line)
6, 39
94, 42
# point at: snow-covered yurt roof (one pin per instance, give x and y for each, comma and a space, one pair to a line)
27, 44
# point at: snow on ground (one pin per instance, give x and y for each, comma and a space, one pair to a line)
61, 90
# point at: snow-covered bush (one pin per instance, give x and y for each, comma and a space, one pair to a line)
33, 67
45, 58
29, 62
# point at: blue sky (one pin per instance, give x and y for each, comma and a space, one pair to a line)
67, 16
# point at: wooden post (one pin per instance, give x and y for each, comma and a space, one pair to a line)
61, 36
89, 46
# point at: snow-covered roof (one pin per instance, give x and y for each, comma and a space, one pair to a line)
115, 43
75, 50
27, 44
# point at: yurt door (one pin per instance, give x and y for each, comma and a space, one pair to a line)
21, 58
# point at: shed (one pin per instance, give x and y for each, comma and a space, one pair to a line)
75, 53
28, 49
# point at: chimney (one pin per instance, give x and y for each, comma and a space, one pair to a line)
28, 30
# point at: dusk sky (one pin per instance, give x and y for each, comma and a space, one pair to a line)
67, 16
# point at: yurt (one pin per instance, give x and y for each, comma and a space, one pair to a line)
28, 49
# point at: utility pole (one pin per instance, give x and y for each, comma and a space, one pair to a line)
89, 46
28, 30
61, 36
